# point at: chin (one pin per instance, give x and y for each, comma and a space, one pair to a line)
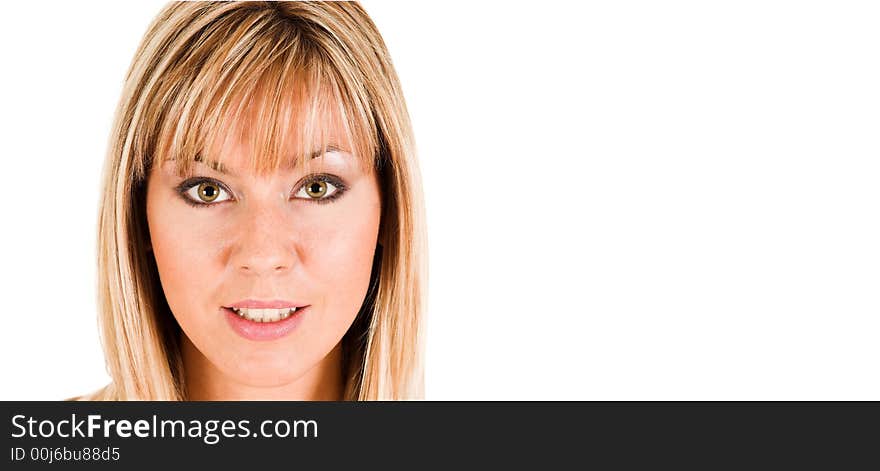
265, 372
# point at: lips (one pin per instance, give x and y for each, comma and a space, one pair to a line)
253, 321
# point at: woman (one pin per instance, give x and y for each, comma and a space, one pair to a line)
261, 226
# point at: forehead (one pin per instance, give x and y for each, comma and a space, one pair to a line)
245, 144
260, 138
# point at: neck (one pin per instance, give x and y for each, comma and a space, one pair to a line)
204, 382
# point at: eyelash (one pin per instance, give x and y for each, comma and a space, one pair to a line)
191, 183
326, 178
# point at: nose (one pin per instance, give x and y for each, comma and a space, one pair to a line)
262, 245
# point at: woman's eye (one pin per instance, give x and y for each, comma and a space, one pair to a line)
207, 192
316, 190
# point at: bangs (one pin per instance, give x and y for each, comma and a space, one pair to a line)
266, 83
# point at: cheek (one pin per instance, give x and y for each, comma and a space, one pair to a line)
339, 258
185, 255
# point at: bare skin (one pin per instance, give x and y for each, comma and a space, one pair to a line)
264, 237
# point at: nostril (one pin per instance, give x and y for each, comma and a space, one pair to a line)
277, 268
260, 255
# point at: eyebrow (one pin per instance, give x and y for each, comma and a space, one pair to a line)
218, 167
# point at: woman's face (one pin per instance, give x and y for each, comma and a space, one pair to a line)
237, 251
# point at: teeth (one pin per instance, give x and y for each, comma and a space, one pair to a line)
265, 315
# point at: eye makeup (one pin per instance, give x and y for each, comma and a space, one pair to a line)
339, 188
185, 187
331, 189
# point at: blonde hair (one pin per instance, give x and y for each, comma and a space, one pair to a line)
285, 67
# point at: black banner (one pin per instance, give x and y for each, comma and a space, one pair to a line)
415, 435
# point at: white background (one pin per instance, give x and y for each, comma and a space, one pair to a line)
626, 200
